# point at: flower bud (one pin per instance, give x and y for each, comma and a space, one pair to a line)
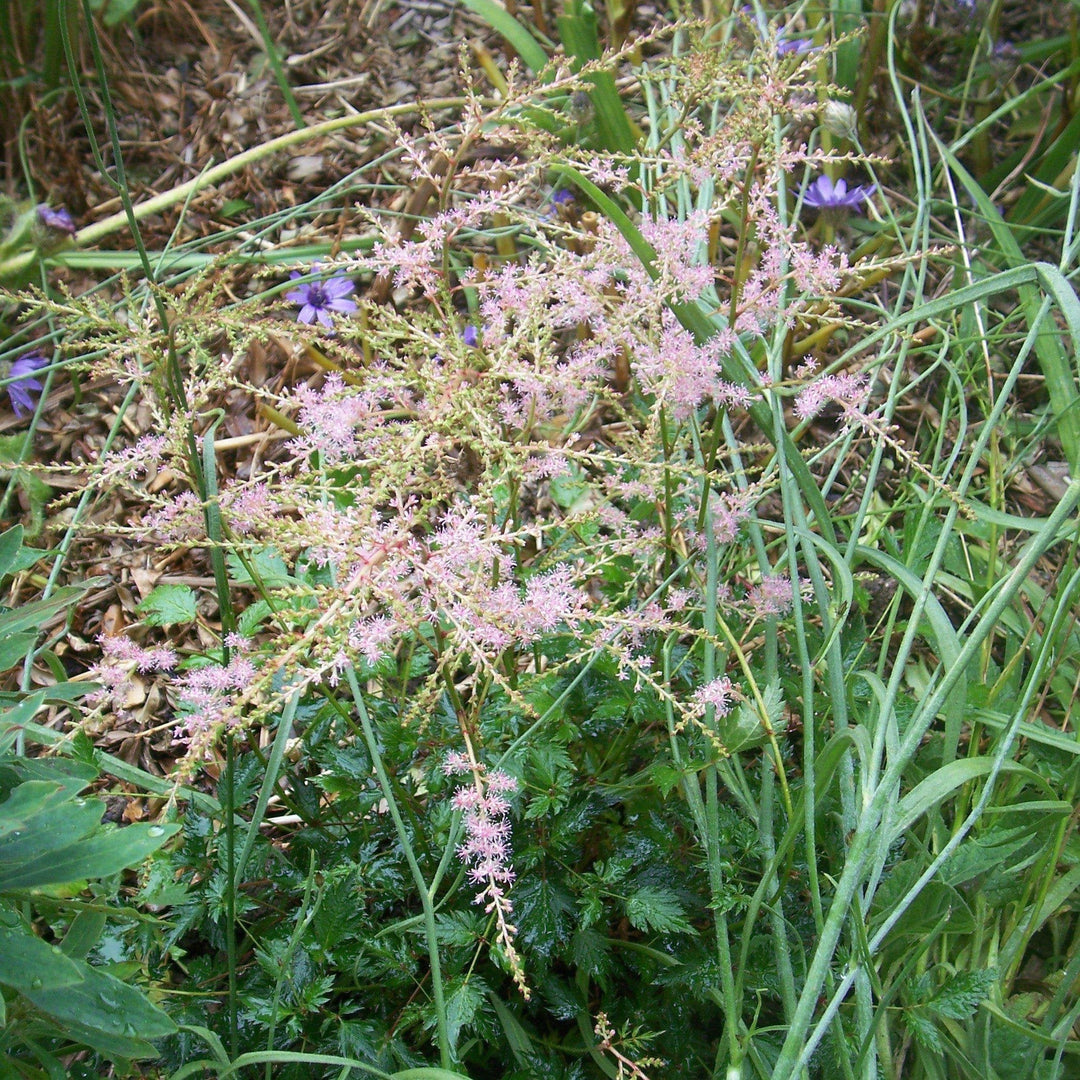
841, 120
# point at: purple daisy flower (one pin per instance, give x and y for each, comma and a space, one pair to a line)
317, 299
22, 385
58, 219
823, 194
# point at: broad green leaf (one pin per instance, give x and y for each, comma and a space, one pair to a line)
10, 543
92, 857
44, 805
33, 615
13, 720
116, 1047
13, 647
28, 963
168, 605
83, 934
104, 1004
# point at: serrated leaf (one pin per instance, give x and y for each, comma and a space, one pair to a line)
543, 913
265, 564
169, 605
961, 994
923, 1030
570, 491
458, 928
252, 617
657, 909
462, 1005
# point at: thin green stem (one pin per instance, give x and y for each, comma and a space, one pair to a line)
272, 54
422, 888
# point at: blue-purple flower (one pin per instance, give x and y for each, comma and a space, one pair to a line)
798, 46
317, 299
58, 219
23, 385
823, 194
471, 336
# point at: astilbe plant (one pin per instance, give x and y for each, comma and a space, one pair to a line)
466, 496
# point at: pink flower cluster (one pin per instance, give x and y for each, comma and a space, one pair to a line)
329, 419
210, 692
847, 390
719, 694
120, 659
458, 575
485, 811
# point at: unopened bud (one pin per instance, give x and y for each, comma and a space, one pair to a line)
841, 120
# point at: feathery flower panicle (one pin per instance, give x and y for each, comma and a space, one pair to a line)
773, 596
818, 273
209, 692
847, 389
371, 637
485, 811
823, 194
329, 419
456, 763
23, 384
719, 694
317, 299
121, 659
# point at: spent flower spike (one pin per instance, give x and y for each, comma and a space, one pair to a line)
823, 194
317, 299
23, 384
